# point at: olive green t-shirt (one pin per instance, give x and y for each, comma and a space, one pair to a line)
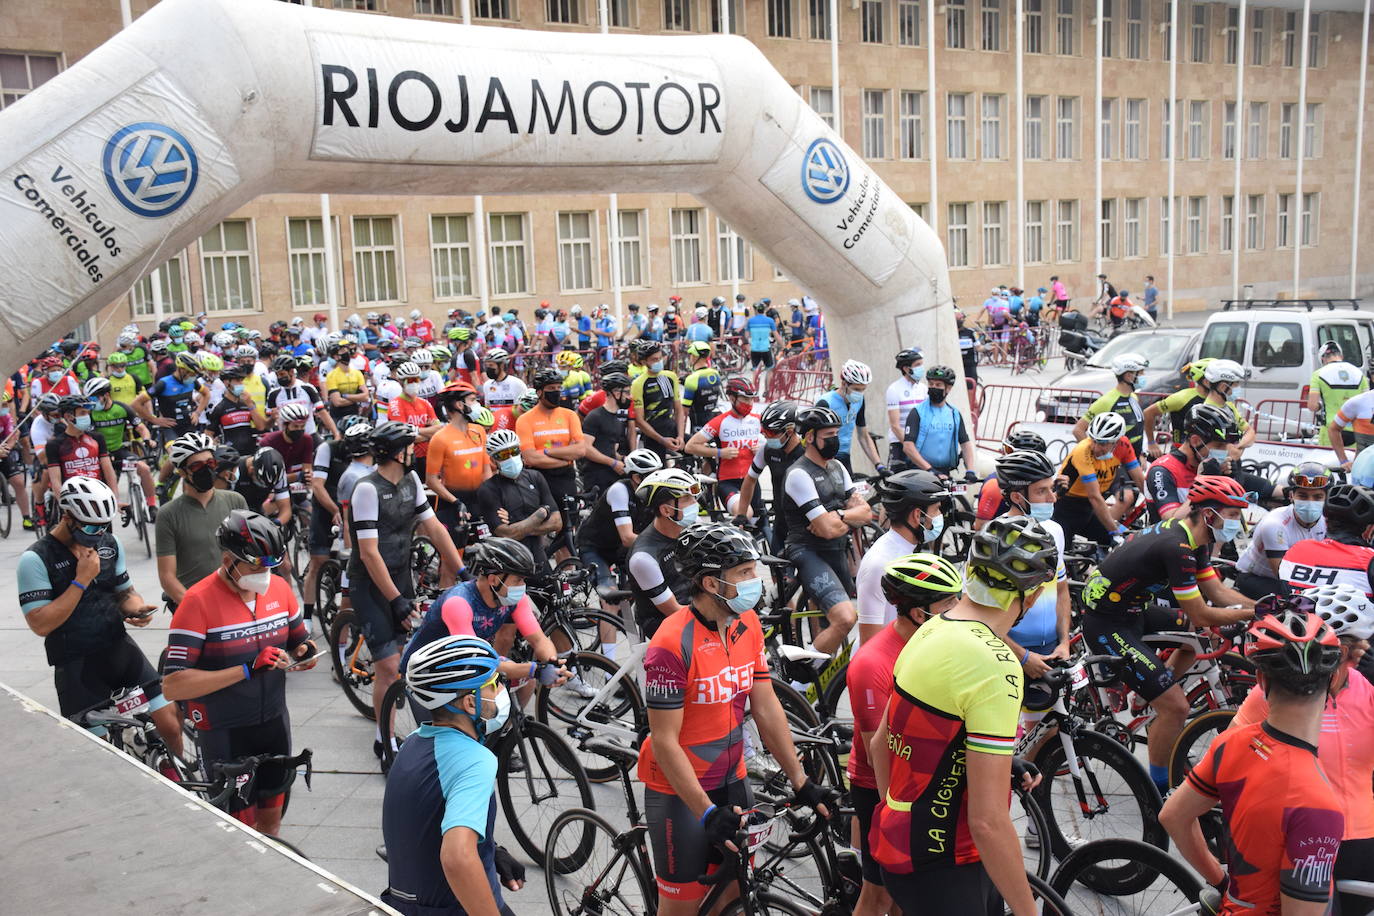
186, 530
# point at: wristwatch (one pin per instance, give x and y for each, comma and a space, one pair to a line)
840, 513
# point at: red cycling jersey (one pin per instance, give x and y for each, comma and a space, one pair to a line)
730, 430
1167, 482
76, 456
869, 678
419, 413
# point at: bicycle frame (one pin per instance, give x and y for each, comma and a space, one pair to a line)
633, 664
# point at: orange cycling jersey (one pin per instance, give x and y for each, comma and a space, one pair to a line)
541, 428
416, 411
1284, 819
459, 457
1084, 470
689, 667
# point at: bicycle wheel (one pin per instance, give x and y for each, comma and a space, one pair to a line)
6, 508
352, 662
549, 782
1193, 741
766, 904
1170, 887
327, 593
398, 723
1033, 827
589, 870
424, 565
584, 591
1050, 903
138, 509
794, 704
794, 868
559, 708
584, 624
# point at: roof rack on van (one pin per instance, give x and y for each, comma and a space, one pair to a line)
1309, 304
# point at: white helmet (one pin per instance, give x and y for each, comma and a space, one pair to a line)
856, 373
415, 315
1129, 362
183, 447
643, 461
700, 312
88, 501
95, 387
497, 355
128, 339
439, 671
1345, 608
1106, 427
1224, 370
224, 340
246, 351
575, 310
294, 412
502, 439
422, 357
406, 369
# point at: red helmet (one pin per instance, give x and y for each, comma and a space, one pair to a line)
1214, 490
739, 387
675, 299
1291, 639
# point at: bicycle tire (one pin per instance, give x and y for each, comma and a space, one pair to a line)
1032, 821
345, 634
1199, 728
833, 698
1050, 902
6, 509
794, 704
328, 590
1080, 867
425, 564
285, 844
398, 722
584, 623
559, 708
609, 893
766, 904
139, 510
550, 761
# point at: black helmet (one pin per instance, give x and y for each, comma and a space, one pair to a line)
268, 467
252, 538
500, 555
908, 356
818, 416
226, 456
615, 365
940, 374
1014, 554
907, 490
391, 437
233, 372
1025, 439
718, 301
545, 376
1021, 468
1213, 423
284, 363
709, 550
72, 403
612, 381
1351, 504
779, 416
761, 306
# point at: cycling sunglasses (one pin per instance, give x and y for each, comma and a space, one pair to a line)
1311, 481
508, 453
1273, 604
210, 463
94, 530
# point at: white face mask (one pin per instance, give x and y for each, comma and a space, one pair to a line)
257, 582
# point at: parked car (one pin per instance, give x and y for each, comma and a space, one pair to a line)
1167, 349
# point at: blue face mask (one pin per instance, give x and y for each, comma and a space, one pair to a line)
854, 397
83, 423
747, 594
1230, 527
55, 375
4, 411
239, 390
1218, 454
937, 525
918, 373
656, 366
688, 515
1308, 511
514, 595
1041, 512
772, 443
511, 467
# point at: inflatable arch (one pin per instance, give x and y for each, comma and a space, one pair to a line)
202, 105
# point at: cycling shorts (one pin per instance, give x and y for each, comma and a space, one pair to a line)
561, 485
601, 567
964, 889
373, 613
119, 456
269, 784
824, 573
865, 801
321, 531
86, 683
12, 464
1355, 862
1145, 673
762, 358
678, 840
1075, 515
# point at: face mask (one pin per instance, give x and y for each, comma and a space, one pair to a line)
1041, 512
490, 726
937, 525
979, 592
511, 467
117, 373
743, 410
917, 373
688, 515
83, 423
562, 373
937, 395
772, 443
1218, 454
747, 594
550, 397
412, 388
291, 434
203, 479
656, 366
829, 448
284, 381
854, 397
239, 390
4, 411
55, 375
1308, 511
83, 538
257, 582
514, 595
1230, 527
232, 478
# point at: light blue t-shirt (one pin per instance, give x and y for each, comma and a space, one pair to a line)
32, 577
699, 332
761, 329
1361, 472
1040, 627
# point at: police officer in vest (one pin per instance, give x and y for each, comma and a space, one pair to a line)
936, 434
1344, 555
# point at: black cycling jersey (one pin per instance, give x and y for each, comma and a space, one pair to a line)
651, 575
599, 530
175, 400
1159, 562
387, 512
776, 461
608, 434
809, 490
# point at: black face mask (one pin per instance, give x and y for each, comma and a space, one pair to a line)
550, 397
285, 381
291, 434
829, 448
203, 479
937, 395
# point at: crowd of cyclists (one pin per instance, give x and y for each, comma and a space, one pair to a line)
514, 453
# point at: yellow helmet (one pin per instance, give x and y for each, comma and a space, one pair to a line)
568, 359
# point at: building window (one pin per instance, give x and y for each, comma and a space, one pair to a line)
1198, 43
1034, 29
1197, 130
1314, 44
780, 19
376, 259
1135, 29
493, 9
1228, 130
736, 17
1289, 37
226, 266
956, 24
1066, 231
172, 284
956, 235
1228, 222
1107, 222
956, 125
366, 6
1285, 237
1254, 222
576, 251
910, 133
1034, 229
685, 239
1166, 239
305, 243
434, 7
992, 125
450, 246
1311, 202
994, 234
1133, 237
992, 25
823, 103
1066, 127
908, 23
920, 210
1312, 131
872, 20
744, 255
1288, 112
1166, 131
1134, 134
623, 13
1232, 33
818, 14
875, 123
510, 260
634, 265
20, 74
563, 12
677, 15
1254, 130
1035, 127
1108, 128
1064, 27
1107, 27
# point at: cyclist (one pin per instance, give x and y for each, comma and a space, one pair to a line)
1346, 746
409, 407
289, 390
609, 435
701, 388
1282, 815
991, 502
439, 810
821, 507
226, 467
902, 396
1222, 376
345, 385
658, 412
1167, 482
135, 357
465, 358
1257, 570
781, 447
386, 509
913, 502
53, 378
234, 635
515, 501
703, 665
762, 333
730, 440
1177, 406
457, 461
847, 403
12, 455
1121, 400
1174, 555
1358, 414
942, 755
577, 382
124, 385
936, 434
1091, 468
660, 589
431, 382
236, 419
501, 389
74, 451
170, 405
261, 481
1334, 383
185, 528
1344, 556
74, 591
551, 441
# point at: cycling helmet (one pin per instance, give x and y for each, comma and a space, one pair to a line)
1106, 427
284, 363
908, 356
718, 301
500, 555
501, 440
919, 580
527, 400
615, 365
455, 391
87, 500
1197, 369
1019, 469
482, 416
1213, 423
226, 457
698, 348
614, 381
568, 359
209, 362
1331, 348
443, 355
1294, 646
127, 339
642, 461
1215, 490
907, 490
1309, 475
268, 467
545, 376
48, 403
95, 387
117, 359
460, 334
391, 437
1015, 554
72, 403
304, 363
1350, 503
252, 538
193, 338
1025, 440
818, 416
700, 313
740, 387
349, 421
293, 413
940, 374
1129, 362
709, 550
159, 345
778, 416
233, 373
641, 347
356, 438
188, 361
373, 316
494, 355
438, 672
1345, 608
245, 351
1224, 370
406, 369
854, 372
666, 484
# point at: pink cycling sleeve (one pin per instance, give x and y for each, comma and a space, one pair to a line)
526, 620
457, 615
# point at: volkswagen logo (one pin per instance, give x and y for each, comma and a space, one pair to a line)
825, 174
150, 167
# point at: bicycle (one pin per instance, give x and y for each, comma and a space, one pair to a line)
138, 503
7, 500
128, 725
227, 779
1168, 886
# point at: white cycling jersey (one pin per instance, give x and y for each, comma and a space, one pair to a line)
902, 395
1272, 537
503, 393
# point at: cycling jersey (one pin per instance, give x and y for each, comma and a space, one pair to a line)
810, 491
608, 431
232, 421
124, 388
418, 413
458, 457
469, 366
1284, 819
1337, 383
298, 393
387, 513
110, 425
937, 431
777, 461
460, 611
692, 667
991, 502
76, 456
47, 569
344, 380
654, 396
521, 497
852, 416
701, 395
956, 688
1163, 559
214, 629
652, 578
296, 453
902, 396
613, 511
1309, 563
760, 329
175, 400
1178, 406
869, 677
255, 389
1039, 626
1167, 483
138, 365
1085, 470
576, 385
874, 607
66, 386
502, 393
1358, 414
1272, 537
1126, 406
543, 427
730, 430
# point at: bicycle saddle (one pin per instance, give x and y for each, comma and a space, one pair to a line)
798, 654
612, 595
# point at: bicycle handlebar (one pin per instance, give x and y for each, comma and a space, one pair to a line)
228, 772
